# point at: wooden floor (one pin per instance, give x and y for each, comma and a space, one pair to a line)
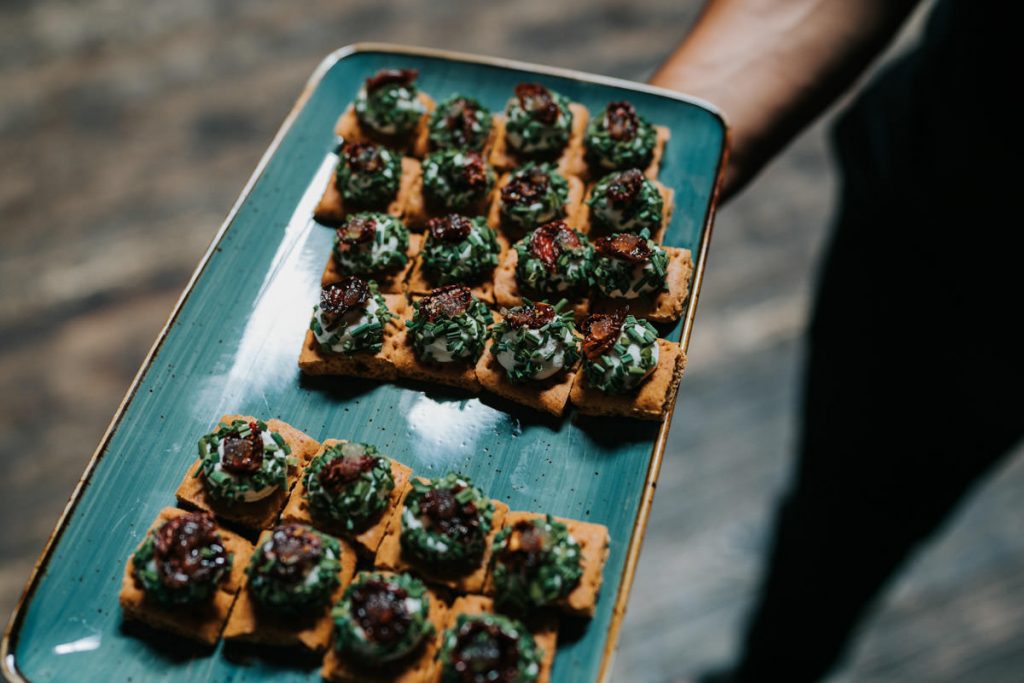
128, 129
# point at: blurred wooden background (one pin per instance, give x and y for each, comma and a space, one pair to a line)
128, 129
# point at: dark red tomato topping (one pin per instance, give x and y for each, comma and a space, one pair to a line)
243, 455
441, 511
340, 472
363, 157
621, 121
536, 101
378, 607
446, 302
549, 241
534, 316
188, 549
525, 188
625, 187
601, 331
460, 118
474, 173
451, 228
292, 551
624, 245
484, 653
524, 548
357, 230
390, 77
339, 298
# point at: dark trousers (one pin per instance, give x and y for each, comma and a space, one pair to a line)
913, 392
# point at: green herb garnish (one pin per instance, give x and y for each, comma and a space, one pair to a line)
349, 485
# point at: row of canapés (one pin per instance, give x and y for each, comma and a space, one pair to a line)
452, 581
532, 354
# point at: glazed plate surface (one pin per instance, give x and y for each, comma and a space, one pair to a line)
232, 346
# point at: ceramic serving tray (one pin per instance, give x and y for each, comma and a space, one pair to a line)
231, 347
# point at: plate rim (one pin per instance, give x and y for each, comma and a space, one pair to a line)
9, 642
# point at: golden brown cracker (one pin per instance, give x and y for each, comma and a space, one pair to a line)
550, 395
459, 374
667, 306
650, 401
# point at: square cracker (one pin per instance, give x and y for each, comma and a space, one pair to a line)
339, 668
389, 283
661, 137
332, 209
594, 542
591, 229
550, 395
389, 555
251, 624
507, 292
380, 365
458, 374
569, 162
650, 401
416, 210
419, 283
543, 627
421, 147
573, 208
367, 540
260, 514
202, 623
349, 129
667, 306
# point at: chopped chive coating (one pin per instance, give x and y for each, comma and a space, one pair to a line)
619, 138
388, 102
465, 255
554, 259
489, 647
382, 617
626, 361
536, 563
450, 324
627, 275
538, 121
295, 570
182, 561
626, 201
368, 174
459, 122
243, 462
349, 485
535, 341
370, 243
358, 329
445, 523
534, 194
457, 180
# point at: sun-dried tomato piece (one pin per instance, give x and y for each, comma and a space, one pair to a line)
550, 240
379, 607
524, 548
525, 188
533, 316
357, 230
601, 331
485, 651
625, 187
621, 121
536, 101
389, 77
292, 551
627, 246
446, 302
243, 455
187, 549
460, 118
339, 298
451, 228
474, 173
340, 472
363, 157
441, 510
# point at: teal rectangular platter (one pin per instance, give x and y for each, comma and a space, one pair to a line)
231, 346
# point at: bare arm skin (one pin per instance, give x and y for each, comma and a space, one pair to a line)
772, 66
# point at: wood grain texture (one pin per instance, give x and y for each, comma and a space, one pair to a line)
232, 348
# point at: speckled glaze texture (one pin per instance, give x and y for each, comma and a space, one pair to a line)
232, 348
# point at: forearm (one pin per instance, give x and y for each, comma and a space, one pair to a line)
772, 66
